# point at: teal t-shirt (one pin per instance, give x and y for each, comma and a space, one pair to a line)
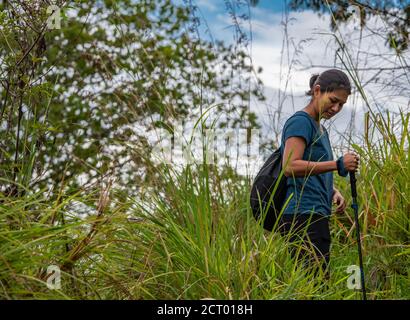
312, 193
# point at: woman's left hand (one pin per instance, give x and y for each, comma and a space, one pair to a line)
340, 201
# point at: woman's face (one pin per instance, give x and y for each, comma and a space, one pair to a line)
330, 103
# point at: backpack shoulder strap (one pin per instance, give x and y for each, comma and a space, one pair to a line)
314, 128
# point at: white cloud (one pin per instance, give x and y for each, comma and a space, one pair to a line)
368, 54
311, 37
302, 30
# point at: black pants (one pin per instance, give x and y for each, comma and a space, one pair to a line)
313, 231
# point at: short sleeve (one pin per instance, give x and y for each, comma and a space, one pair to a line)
298, 126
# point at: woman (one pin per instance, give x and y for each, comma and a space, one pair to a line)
308, 161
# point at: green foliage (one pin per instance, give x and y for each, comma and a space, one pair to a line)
173, 233
197, 239
112, 67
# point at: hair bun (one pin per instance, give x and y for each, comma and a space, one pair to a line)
313, 80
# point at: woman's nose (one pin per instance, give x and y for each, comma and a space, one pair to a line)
335, 108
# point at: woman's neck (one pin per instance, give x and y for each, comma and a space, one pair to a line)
315, 116
309, 109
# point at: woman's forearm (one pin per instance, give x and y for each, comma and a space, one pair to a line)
302, 168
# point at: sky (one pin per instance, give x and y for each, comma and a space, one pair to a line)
311, 48
311, 44
267, 34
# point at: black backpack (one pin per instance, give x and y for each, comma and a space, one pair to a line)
269, 186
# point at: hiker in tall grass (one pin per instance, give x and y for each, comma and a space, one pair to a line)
308, 156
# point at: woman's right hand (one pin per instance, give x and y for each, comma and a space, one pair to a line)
351, 161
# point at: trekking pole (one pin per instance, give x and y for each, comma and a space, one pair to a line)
356, 219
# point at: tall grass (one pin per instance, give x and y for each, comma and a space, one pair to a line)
197, 239
191, 235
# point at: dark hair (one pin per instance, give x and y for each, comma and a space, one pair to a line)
329, 81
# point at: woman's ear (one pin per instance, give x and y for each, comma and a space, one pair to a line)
316, 91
